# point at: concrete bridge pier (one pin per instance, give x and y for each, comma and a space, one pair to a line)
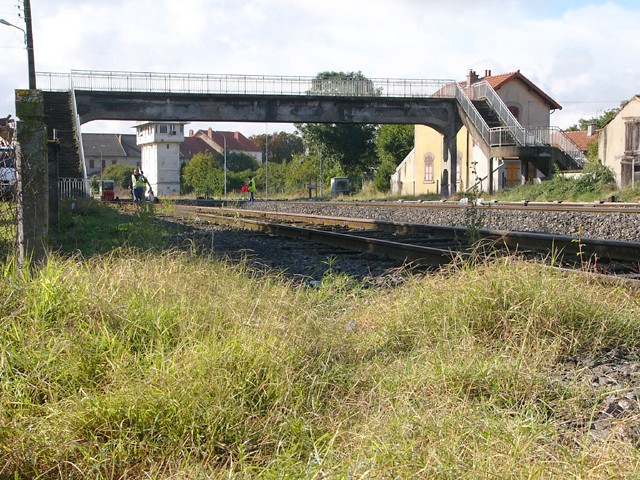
32, 175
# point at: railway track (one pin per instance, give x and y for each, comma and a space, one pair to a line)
430, 245
524, 205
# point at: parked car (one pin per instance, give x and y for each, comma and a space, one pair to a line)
7, 173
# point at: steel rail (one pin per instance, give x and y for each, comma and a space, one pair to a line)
572, 249
524, 205
416, 254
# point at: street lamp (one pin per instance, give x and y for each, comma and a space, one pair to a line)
266, 162
224, 141
28, 40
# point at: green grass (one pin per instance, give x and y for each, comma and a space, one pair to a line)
141, 363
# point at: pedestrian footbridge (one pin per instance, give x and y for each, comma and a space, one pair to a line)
80, 96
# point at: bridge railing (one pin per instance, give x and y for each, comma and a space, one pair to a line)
240, 84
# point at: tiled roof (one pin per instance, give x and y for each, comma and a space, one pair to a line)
194, 145
236, 142
581, 138
497, 81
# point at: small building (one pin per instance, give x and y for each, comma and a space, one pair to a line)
619, 144
193, 146
234, 142
583, 138
160, 151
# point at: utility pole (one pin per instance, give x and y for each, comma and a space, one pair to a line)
224, 140
29, 35
266, 162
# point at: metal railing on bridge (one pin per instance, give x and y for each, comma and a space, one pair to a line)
239, 84
199, 83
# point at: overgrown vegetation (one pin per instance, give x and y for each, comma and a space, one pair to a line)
136, 363
595, 182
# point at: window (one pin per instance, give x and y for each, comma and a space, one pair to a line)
632, 137
428, 167
162, 129
515, 111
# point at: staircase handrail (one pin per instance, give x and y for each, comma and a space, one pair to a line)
555, 137
484, 90
526, 136
470, 109
76, 122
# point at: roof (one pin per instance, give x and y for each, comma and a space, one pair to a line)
105, 144
130, 145
235, 141
497, 81
194, 145
581, 138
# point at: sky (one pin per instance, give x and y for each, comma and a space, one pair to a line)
583, 54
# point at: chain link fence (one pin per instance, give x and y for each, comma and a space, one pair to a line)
8, 188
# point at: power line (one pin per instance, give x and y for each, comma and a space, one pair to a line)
594, 101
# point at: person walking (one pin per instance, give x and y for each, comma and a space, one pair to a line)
139, 184
252, 188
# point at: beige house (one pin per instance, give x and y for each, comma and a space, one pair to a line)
520, 146
619, 144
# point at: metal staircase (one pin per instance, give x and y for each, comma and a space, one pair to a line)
497, 127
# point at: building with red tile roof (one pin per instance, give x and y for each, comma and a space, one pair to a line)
582, 138
233, 141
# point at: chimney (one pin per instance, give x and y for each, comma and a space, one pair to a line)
236, 135
210, 133
472, 77
191, 133
487, 73
591, 129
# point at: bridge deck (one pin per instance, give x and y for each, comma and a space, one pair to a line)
242, 84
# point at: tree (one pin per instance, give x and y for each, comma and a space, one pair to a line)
282, 146
239, 161
275, 176
202, 175
599, 121
350, 145
394, 142
121, 174
342, 84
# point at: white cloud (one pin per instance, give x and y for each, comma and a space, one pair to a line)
582, 53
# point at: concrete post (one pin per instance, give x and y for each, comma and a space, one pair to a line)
452, 146
32, 172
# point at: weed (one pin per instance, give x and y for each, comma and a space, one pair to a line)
474, 217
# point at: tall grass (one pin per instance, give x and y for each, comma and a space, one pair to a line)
168, 365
